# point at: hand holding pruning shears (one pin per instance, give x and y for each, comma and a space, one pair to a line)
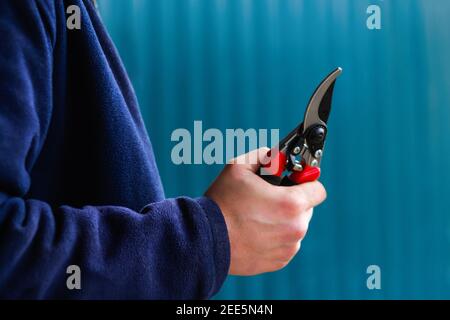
267, 221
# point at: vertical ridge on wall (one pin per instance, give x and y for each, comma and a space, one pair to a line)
253, 64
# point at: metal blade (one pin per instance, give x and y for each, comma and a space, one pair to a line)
319, 105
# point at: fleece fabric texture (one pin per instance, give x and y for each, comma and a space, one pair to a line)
78, 179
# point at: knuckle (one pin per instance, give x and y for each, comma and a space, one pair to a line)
299, 232
321, 191
291, 204
288, 253
293, 233
301, 203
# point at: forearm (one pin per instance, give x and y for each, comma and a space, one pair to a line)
177, 248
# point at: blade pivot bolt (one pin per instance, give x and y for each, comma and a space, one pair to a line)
318, 153
296, 150
316, 134
298, 166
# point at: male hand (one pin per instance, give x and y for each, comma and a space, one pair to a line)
266, 223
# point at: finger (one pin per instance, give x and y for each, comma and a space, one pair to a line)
285, 253
313, 193
252, 161
305, 217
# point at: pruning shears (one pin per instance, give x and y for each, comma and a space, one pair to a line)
296, 159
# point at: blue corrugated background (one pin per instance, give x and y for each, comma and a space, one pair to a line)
253, 64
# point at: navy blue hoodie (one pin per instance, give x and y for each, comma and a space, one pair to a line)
78, 179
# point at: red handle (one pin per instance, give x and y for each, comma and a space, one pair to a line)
277, 165
308, 174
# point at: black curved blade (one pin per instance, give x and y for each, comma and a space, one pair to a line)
325, 105
319, 106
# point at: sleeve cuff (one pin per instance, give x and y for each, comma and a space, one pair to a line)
221, 249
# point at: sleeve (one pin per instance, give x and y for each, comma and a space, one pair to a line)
173, 249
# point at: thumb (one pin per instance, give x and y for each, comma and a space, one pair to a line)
253, 160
